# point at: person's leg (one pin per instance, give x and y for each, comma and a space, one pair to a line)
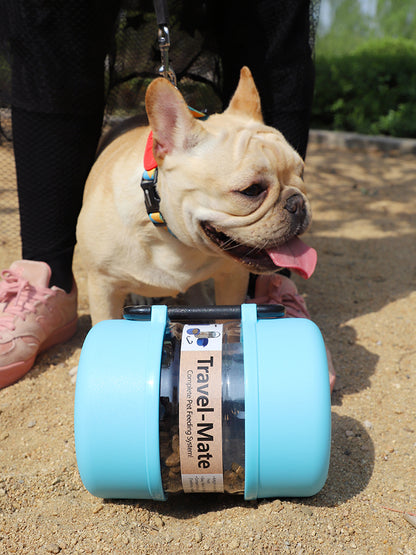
58, 51
54, 154
272, 38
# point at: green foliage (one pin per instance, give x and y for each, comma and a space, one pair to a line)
396, 18
350, 26
371, 90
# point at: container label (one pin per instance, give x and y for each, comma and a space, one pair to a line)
200, 408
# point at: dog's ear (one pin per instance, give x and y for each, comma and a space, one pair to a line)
172, 124
246, 99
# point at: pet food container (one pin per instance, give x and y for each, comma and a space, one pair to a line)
167, 403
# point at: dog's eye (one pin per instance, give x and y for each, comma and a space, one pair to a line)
254, 190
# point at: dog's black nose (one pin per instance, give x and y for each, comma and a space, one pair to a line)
295, 204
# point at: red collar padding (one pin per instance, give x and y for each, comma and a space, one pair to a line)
149, 161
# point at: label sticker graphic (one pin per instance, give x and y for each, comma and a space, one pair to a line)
200, 408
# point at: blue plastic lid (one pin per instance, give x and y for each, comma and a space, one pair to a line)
117, 408
288, 407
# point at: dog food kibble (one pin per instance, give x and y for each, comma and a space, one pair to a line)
171, 474
202, 416
173, 460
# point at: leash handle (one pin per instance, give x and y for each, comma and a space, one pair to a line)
197, 313
163, 39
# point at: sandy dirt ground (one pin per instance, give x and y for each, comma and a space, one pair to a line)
363, 298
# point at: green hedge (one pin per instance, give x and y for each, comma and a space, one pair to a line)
370, 91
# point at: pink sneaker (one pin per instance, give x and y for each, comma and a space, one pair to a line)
33, 317
278, 289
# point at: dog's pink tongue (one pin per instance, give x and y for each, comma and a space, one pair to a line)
296, 256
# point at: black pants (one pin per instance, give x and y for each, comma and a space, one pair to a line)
58, 50
271, 37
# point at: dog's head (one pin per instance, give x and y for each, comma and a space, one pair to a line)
230, 185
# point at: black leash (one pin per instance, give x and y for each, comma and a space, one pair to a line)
162, 12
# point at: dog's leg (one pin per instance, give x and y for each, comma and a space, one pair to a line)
106, 300
231, 287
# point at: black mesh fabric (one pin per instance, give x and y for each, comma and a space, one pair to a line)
278, 53
48, 214
63, 63
57, 53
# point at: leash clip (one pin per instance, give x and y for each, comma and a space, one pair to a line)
163, 39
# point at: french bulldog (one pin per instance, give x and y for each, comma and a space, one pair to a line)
229, 195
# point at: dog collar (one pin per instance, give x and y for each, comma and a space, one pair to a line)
149, 178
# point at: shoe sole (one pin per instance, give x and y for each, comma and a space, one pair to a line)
13, 372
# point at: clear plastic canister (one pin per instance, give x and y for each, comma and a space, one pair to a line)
232, 412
